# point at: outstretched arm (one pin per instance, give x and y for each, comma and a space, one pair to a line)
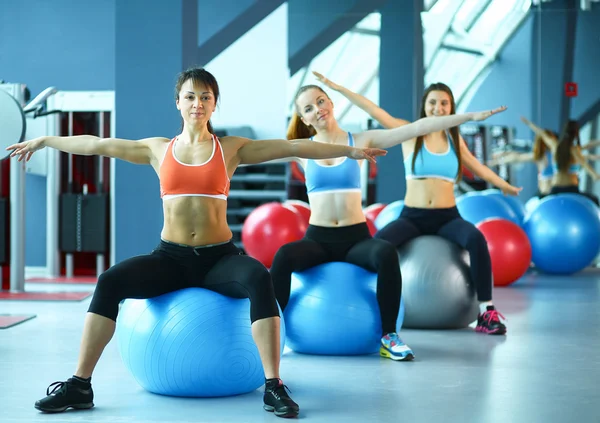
484, 172
550, 142
386, 138
138, 152
384, 118
253, 152
590, 145
510, 157
582, 160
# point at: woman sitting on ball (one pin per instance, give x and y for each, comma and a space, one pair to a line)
567, 159
194, 170
540, 155
337, 228
433, 161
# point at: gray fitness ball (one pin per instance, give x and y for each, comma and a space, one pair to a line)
436, 285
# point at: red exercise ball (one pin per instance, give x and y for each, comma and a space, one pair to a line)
372, 228
302, 209
267, 228
509, 248
373, 210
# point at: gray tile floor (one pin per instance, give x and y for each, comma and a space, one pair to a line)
546, 370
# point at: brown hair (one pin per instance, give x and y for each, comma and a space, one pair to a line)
539, 146
298, 129
568, 138
453, 131
198, 76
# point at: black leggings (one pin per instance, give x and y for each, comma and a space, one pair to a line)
448, 224
574, 189
222, 268
351, 244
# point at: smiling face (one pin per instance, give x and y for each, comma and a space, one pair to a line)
314, 107
438, 103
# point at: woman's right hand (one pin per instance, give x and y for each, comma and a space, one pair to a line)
326, 81
25, 149
478, 116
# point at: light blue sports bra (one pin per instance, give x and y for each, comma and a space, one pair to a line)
433, 165
341, 177
548, 171
574, 168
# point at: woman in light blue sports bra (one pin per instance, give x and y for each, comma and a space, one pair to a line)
540, 155
337, 228
433, 162
567, 159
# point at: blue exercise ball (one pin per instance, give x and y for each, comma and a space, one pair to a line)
333, 310
530, 206
512, 201
191, 343
475, 207
564, 233
390, 213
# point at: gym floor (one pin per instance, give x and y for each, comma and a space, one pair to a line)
545, 370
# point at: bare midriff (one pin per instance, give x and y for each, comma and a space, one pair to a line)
429, 193
336, 209
195, 221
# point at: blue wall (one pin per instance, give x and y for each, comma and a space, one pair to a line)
145, 106
214, 15
586, 71
68, 44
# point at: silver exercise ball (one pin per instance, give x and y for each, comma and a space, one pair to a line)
436, 285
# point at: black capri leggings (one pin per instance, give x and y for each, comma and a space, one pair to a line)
448, 224
574, 189
222, 268
351, 244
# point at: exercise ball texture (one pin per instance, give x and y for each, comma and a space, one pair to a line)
475, 207
564, 233
267, 228
436, 284
333, 310
512, 201
191, 343
510, 250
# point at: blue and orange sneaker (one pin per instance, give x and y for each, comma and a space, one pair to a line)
489, 322
392, 347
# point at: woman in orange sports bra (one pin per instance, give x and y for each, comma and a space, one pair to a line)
194, 170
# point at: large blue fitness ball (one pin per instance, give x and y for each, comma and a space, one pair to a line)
512, 201
564, 232
476, 207
191, 343
333, 310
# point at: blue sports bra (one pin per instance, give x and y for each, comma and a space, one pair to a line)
341, 177
574, 168
548, 171
433, 165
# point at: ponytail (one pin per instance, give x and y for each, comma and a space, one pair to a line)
298, 130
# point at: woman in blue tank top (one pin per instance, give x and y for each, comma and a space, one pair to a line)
567, 159
338, 229
433, 162
540, 155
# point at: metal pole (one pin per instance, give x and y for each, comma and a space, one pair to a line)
69, 263
17, 226
100, 257
52, 202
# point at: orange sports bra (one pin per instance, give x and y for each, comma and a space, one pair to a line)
208, 179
